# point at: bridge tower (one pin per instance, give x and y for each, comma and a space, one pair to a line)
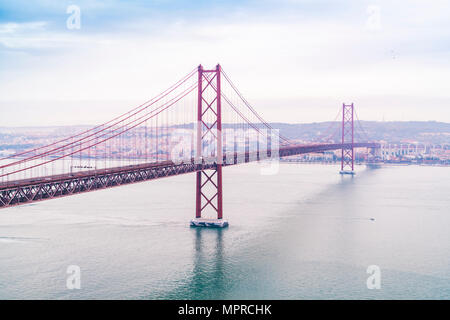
209, 152
347, 151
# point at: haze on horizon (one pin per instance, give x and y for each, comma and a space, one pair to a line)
296, 61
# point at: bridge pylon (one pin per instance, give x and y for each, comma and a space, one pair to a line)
347, 151
209, 139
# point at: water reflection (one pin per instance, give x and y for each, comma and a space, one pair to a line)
208, 278
208, 274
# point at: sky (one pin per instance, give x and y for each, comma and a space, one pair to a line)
295, 61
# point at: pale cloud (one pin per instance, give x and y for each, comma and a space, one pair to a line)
13, 28
293, 69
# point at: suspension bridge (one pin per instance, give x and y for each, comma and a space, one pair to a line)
199, 125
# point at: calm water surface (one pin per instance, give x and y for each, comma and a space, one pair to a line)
304, 233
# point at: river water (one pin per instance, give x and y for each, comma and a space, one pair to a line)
305, 232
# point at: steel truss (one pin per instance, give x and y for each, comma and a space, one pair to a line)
61, 186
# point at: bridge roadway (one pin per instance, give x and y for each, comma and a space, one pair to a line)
55, 186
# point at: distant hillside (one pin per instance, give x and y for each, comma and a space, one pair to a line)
395, 131
431, 132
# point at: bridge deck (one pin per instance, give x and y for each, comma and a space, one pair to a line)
42, 188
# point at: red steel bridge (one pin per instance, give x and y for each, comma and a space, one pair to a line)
200, 124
